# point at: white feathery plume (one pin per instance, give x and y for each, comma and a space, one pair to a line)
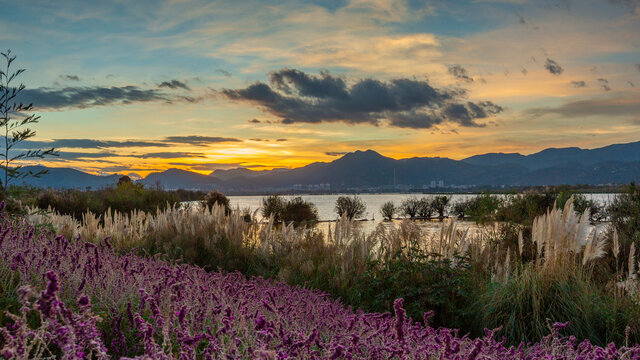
520, 242
632, 263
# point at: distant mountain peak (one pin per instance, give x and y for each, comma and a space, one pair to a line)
366, 154
175, 171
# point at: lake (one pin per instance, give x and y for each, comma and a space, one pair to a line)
326, 203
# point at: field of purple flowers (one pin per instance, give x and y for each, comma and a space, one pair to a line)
76, 300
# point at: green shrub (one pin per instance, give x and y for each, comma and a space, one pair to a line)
410, 207
424, 283
581, 204
125, 197
217, 198
425, 208
350, 206
388, 210
189, 195
624, 214
300, 212
273, 206
483, 207
439, 204
460, 208
528, 302
523, 208
69, 202
596, 211
296, 210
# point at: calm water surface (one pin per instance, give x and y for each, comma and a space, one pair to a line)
326, 203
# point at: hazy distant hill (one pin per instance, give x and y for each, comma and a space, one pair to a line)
243, 173
65, 178
181, 179
609, 172
616, 164
552, 157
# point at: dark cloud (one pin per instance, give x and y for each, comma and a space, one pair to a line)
84, 97
174, 84
637, 66
223, 72
101, 144
119, 168
335, 153
553, 67
208, 166
189, 99
465, 114
604, 84
266, 140
198, 140
592, 107
70, 77
88, 144
70, 155
255, 121
523, 21
631, 83
322, 87
579, 84
296, 97
524, 71
171, 155
460, 73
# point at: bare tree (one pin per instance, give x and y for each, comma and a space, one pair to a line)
15, 121
351, 206
387, 210
410, 207
425, 210
440, 204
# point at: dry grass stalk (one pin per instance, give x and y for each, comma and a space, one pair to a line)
563, 237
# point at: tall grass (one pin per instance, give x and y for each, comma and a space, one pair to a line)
333, 262
472, 280
558, 285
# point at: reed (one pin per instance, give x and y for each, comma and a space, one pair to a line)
557, 261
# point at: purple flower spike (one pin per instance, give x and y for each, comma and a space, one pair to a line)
84, 301
400, 318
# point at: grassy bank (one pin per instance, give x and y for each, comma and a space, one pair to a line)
557, 270
72, 299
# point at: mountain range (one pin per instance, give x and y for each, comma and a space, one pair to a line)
368, 170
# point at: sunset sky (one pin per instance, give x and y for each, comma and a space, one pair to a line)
142, 86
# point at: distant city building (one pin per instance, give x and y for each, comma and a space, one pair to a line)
433, 183
440, 183
321, 186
